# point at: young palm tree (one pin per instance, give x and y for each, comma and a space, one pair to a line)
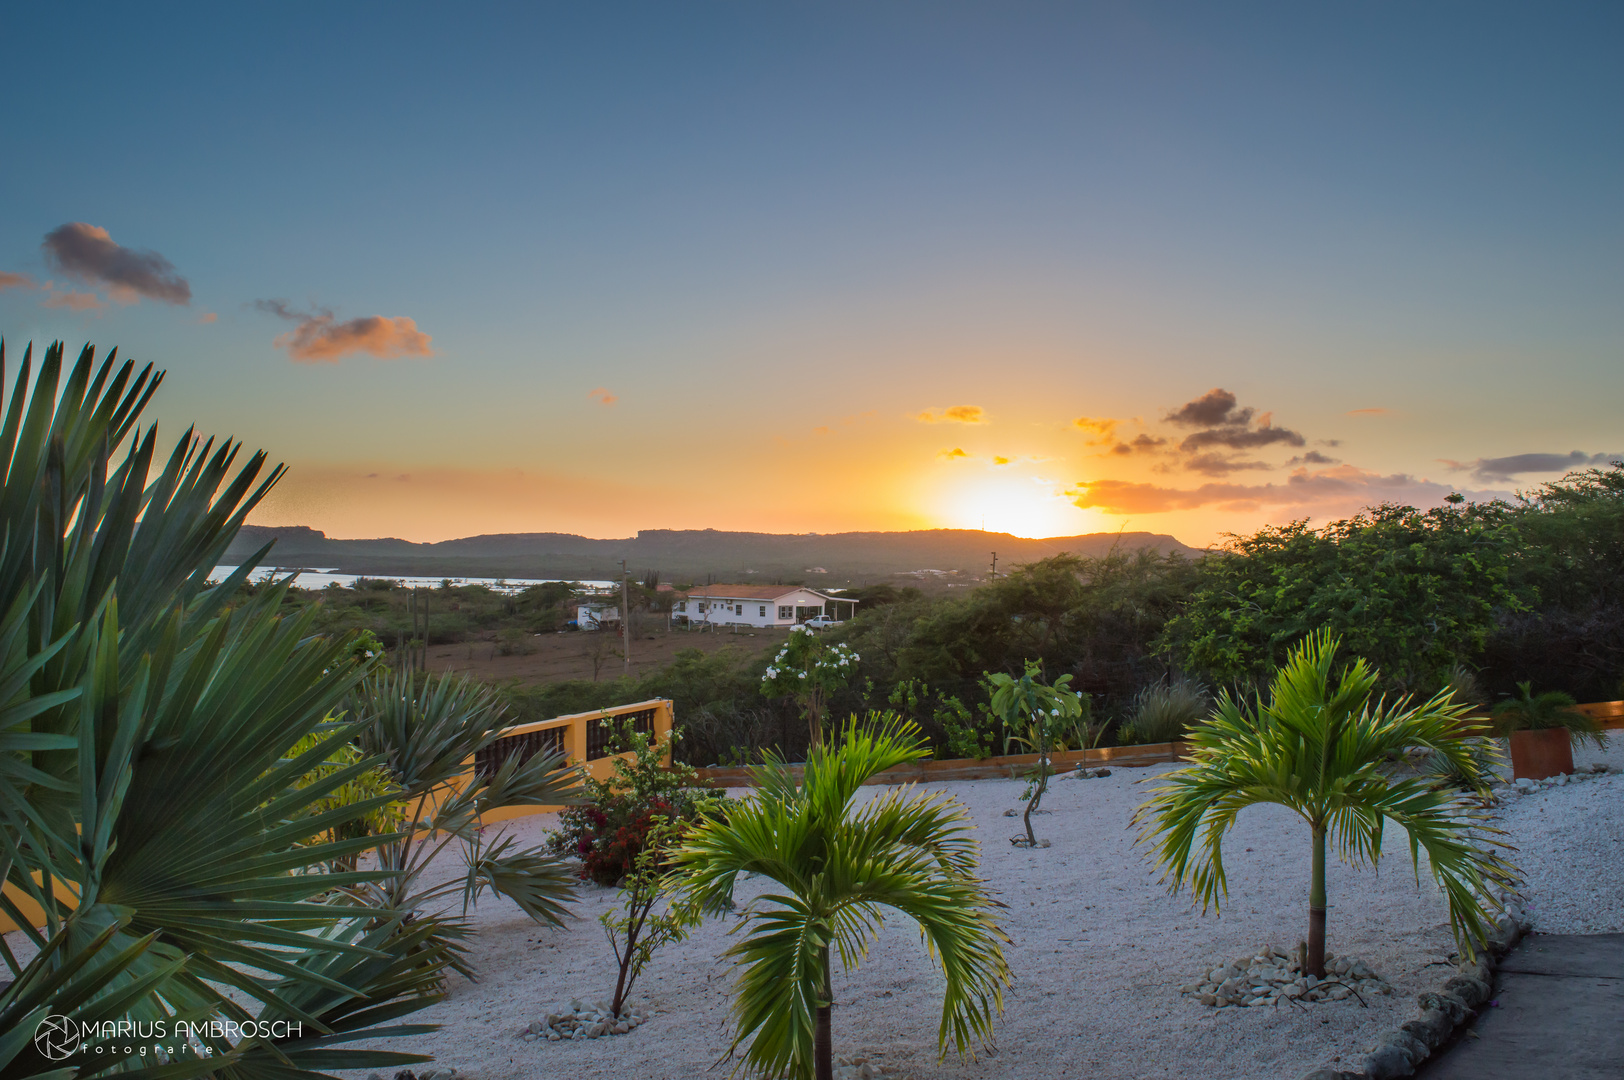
1321, 747
837, 867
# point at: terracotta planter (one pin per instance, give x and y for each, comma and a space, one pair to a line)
1539, 754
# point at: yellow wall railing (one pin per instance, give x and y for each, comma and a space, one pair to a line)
583, 736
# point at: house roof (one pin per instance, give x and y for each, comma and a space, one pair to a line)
752, 592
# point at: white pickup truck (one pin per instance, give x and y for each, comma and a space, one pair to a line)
822, 622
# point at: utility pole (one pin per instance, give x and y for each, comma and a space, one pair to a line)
625, 618
994, 575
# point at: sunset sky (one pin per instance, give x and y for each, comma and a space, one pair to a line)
1046, 268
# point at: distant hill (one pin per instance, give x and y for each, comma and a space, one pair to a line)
684, 555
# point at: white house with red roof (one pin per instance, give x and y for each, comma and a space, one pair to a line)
757, 605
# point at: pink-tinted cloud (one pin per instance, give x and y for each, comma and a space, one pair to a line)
1340, 490
321, 338
1368, 412
207, 317
602, 396
75, 301
88, 253
15, 281
954, 414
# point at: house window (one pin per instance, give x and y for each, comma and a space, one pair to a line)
702, 608
682, 605
786, 611
763, 611
739, 610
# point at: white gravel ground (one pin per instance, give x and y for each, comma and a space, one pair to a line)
1100, 951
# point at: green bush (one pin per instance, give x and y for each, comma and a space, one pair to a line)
1164, 711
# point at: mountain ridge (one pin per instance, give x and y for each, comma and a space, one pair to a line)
680, 554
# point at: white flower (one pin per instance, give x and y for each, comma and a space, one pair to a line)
803, 674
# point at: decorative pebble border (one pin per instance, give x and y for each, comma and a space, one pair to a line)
1397, 1053
578, 1019
428, 1074
1274, 977
1524, 786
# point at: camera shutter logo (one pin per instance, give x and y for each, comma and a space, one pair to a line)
57, 1038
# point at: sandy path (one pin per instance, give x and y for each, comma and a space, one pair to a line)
1100, 950
1099, 953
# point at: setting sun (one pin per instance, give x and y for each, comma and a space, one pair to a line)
1027, 506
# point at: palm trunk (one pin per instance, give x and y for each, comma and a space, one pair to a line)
1316, 910
823, 1061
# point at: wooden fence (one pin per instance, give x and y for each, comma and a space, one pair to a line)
1608, 714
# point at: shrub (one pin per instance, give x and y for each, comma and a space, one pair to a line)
1163, 711
1552, 709
611, 828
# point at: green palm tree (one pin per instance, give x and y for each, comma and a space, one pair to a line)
158, 732
1323, 748
837, 867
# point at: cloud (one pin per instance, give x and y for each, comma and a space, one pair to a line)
602, 396
1501, 469
1241, 438
1341, 490
1000, 460
821, 430
954, 414
207, 317
320, 338
1141, 444
1215, 408
1369, 412
87, 253
1218, 465
1101, 428
15, 281
75, 301
956, 452
1224, 422
1313, 457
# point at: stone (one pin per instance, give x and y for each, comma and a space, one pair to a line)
1446, 1003
1209, 999
1388, 1062
1411, 1045
1431, 1027
405, 1074
1469, 989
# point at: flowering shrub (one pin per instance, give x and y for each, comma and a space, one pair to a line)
612, 827
809, 669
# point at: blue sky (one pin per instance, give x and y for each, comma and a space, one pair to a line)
777, 235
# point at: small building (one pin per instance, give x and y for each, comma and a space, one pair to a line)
757, 605
596, 616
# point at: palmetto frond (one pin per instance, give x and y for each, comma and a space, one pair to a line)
1323, 747
839, 870
147, 729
